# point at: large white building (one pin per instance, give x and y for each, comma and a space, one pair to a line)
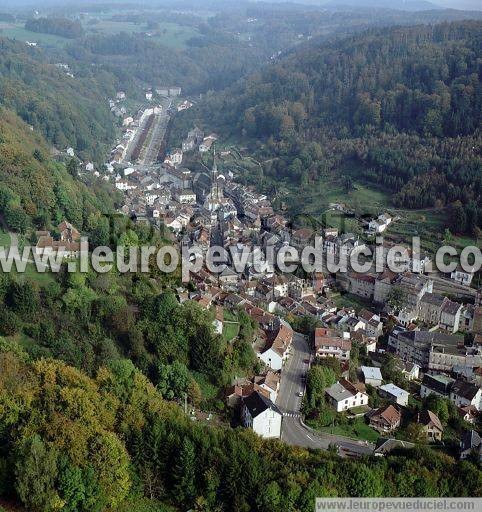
329, 344
344, 395
464, 394
261, 414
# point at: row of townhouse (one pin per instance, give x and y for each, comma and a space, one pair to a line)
465, 395
437, 310
434, 351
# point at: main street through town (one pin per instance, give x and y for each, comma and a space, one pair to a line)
294, 432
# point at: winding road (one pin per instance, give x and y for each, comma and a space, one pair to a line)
294, 431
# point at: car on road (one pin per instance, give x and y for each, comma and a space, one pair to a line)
300, 393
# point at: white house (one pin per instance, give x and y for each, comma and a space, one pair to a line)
462, 276
344, 395
380, 224
218, 321
372, 375
184, 106
184, 196
411, 371
276, 352
450, 313
329, 344
372, 323
174, 91
174, 158
394, 393
270, 382
463, 394
173, 223
377, 226
124, 185
207, 143
150, 198
261, 414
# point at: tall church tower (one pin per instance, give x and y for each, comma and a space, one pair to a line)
215, 198
216, 191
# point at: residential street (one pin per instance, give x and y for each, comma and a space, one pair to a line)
293, 430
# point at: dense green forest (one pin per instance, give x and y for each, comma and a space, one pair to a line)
67, 111
110, 442
58, 26
404, 103
37, 192
208, 63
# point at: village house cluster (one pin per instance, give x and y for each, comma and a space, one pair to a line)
421, 326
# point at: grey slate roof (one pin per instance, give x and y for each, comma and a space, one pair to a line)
464, 389
256, 403
469, 440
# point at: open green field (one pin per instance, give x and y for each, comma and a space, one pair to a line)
429, 224
166, 33
360, 198
230, 330
356, 429
18, 32
4, 239
349, 300
41, 278
230, 324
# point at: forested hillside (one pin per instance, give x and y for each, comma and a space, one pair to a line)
404, 102
420, 79
110, 442
34, 190
67, 111
208, 63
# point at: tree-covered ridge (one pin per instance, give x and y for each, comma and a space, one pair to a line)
420, 79
70, 442
403, 104
58, 26
67, 111
208, 62
35, 189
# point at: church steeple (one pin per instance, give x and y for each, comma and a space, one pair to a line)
216, 194
215, 198
215, 165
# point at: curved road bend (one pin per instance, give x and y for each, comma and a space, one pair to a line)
289, 401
